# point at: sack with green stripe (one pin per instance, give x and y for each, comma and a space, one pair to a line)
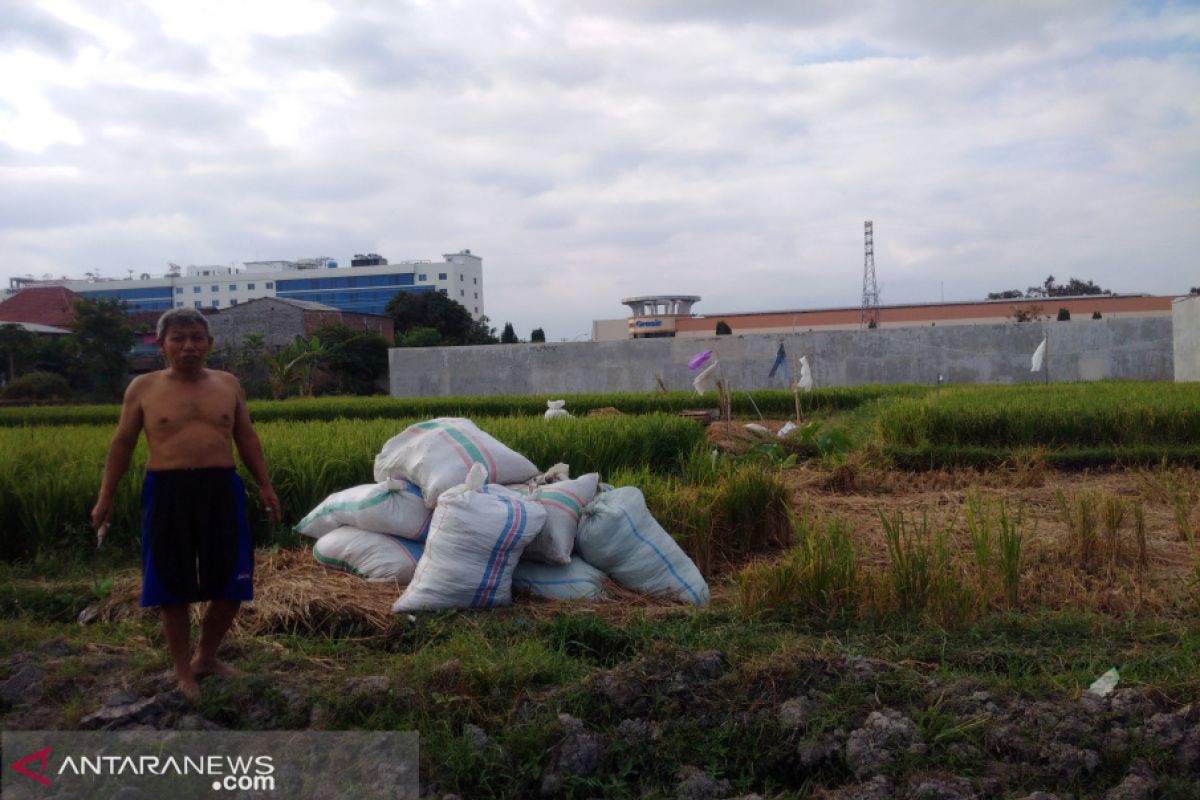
370, 555
564, 502
436, 455
395, 507
618, 535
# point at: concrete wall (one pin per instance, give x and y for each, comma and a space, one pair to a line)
1185, 316
1078, 350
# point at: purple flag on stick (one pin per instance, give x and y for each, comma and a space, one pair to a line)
700, 359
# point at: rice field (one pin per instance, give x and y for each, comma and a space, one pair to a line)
770, 402
1078, 415
49, 475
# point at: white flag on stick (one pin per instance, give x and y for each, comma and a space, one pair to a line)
703, 382
1038, 356
806, 378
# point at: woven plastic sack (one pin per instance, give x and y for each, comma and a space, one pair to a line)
370, 555
475, 541
436, 455
555, 410
576, 580
564, 503
618, 535
393, 506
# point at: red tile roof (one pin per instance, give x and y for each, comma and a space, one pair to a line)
44, 305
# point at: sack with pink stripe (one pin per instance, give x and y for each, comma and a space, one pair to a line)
564, 503
437, 454
475, 540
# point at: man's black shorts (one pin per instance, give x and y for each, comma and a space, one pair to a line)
196, 542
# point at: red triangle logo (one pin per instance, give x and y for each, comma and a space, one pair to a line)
42, 756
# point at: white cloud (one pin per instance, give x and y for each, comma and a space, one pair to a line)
593, 151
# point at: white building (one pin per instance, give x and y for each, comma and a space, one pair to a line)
366, 288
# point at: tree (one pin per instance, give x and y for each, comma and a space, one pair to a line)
1072, 288
292, 366
101, 340
481, 332
1064, 315
353, 360
723, 328
419, 337
537, 335
16, 350
509, 336
435, 310
37, 386
1030, 313
1194, 290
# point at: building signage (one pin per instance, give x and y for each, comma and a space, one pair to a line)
649, 326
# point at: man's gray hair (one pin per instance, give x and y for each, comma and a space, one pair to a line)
181, 317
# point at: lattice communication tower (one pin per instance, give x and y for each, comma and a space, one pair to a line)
870, 297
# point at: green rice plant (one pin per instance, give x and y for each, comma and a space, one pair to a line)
775, 402
49, 476
1179, 491
743, 511
1100, 414
1139, 529
752, 510
1010, 539
997, 535
818, 576
919, 578
1078, 512
1112, 512
979, 528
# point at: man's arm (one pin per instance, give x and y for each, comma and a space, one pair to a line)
120, 452
245, 438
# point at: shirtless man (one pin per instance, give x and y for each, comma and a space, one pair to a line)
196, 543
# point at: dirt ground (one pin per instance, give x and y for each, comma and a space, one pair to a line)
859, 492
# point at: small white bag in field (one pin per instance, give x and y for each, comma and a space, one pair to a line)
370, 555
564, 503
475, 540
555, 410
394, 506
577, 580
618, 535
436, 455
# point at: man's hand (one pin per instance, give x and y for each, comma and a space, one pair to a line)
101, 512
270, 504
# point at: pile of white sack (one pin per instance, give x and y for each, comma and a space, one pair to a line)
461, 519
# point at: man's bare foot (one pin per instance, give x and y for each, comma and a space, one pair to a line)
189, 688
213, 667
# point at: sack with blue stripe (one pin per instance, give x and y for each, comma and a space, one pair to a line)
476, 537
577, 580
437, 454
618, 535
395, 507
370, 555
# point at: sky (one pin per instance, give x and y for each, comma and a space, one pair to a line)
590, 151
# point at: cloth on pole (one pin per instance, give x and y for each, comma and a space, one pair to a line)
1039, 356
700, 359
780, 361
705, 380
806, 378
